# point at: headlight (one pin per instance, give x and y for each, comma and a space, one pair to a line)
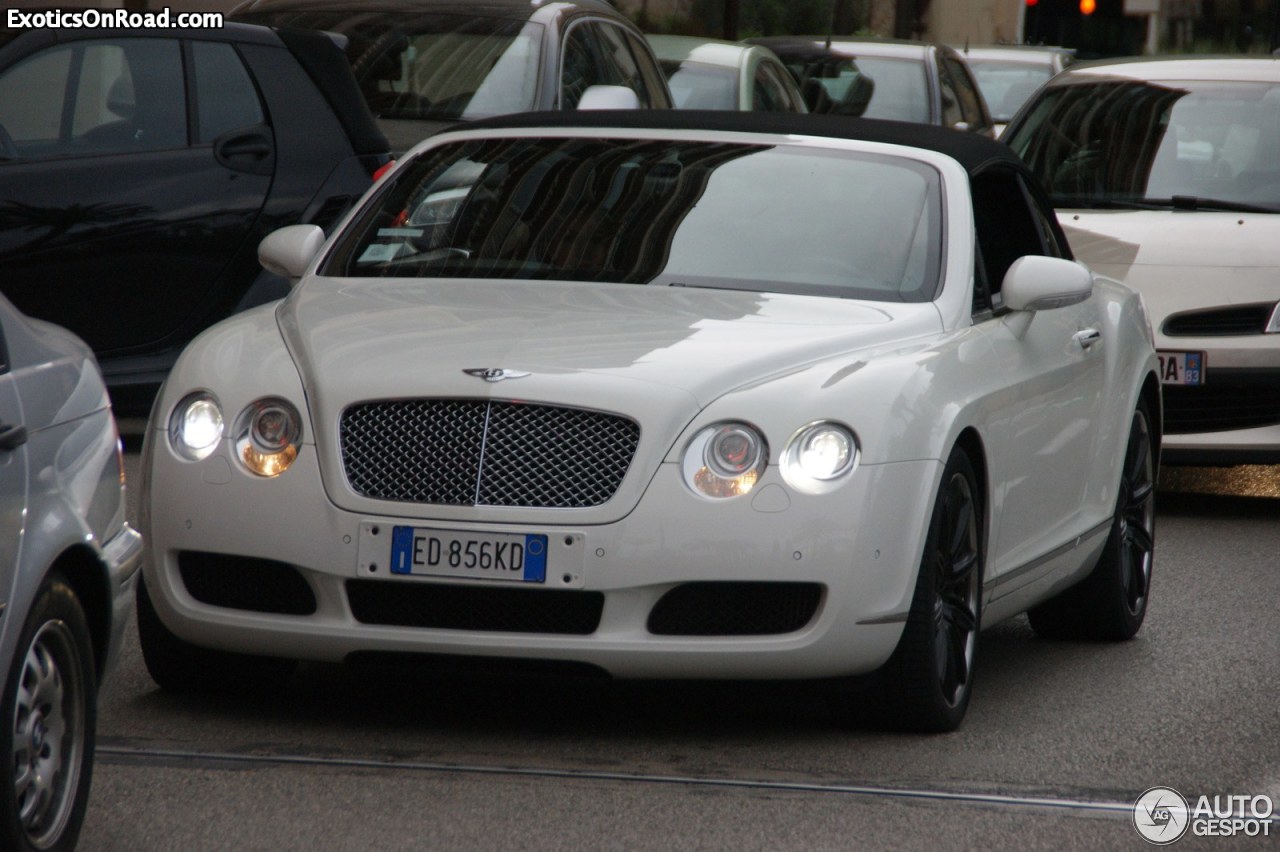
818, 457
725, 460
267, 435
195, 427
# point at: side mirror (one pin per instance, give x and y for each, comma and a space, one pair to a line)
608, 97
289, 251
1035, 283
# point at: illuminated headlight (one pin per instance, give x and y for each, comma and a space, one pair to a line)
195, 427
267, 435
725, 460
818, 457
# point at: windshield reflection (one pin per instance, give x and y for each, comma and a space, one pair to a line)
1191, 145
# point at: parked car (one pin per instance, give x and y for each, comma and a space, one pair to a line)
68, 564
426, 65
894, 79
139, 169
1164, 173
709, 74
1009, 74
608, 389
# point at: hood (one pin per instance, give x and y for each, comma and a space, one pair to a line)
1181, 260
657, 355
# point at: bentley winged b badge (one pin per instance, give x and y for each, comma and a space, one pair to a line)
495, 374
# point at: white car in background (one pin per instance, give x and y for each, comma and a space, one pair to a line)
68, 562
710, 74
1009, 74
1165, 175
681, 395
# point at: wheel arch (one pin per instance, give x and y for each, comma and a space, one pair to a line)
1150, 394
87, 576
971, 442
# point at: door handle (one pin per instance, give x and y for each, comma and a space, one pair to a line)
1086, 338
12, 436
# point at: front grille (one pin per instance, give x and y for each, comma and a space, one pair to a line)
735, 609
1220, 405
1235, 321
244, 582
499, 610
465, 452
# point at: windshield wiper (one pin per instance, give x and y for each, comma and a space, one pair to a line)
1193, 202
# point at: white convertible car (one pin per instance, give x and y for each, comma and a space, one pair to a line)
687, 395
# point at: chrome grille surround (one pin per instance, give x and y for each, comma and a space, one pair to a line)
477, 452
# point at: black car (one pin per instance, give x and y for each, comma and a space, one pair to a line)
426, 65
139, 169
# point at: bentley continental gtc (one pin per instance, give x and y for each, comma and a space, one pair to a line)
678, 395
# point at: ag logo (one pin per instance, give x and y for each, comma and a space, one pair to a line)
1161, 815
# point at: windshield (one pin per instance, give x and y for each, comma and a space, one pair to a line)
436, 67
680, 214
1006, 86
698, 86
1198, 145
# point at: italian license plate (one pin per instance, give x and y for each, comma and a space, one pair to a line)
1182, 368
512, 557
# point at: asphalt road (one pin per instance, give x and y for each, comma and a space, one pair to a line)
1059, 741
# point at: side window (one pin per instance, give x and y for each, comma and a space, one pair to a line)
1007, 225
596, 54
1042, 214
967, 92
96, 97
620, 66
769, 92
951, 112
225, 95
577, 67
654, 80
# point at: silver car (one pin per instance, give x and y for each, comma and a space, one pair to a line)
68, 563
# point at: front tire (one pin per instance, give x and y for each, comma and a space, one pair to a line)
1111, 602
50, 711
178, 666
929, 678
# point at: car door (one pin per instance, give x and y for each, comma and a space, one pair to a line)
138, 167
1043, 426
13, 470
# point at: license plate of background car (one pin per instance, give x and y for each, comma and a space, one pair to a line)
1182, 368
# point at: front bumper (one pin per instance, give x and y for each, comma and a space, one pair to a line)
860, 544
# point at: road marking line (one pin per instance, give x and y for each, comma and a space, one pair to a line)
1119, 809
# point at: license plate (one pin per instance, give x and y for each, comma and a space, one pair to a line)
1182, 368
511, 557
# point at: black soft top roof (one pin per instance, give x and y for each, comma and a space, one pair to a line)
974, 152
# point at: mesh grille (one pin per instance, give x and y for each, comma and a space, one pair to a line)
461, 452
1220, 322
735, 609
